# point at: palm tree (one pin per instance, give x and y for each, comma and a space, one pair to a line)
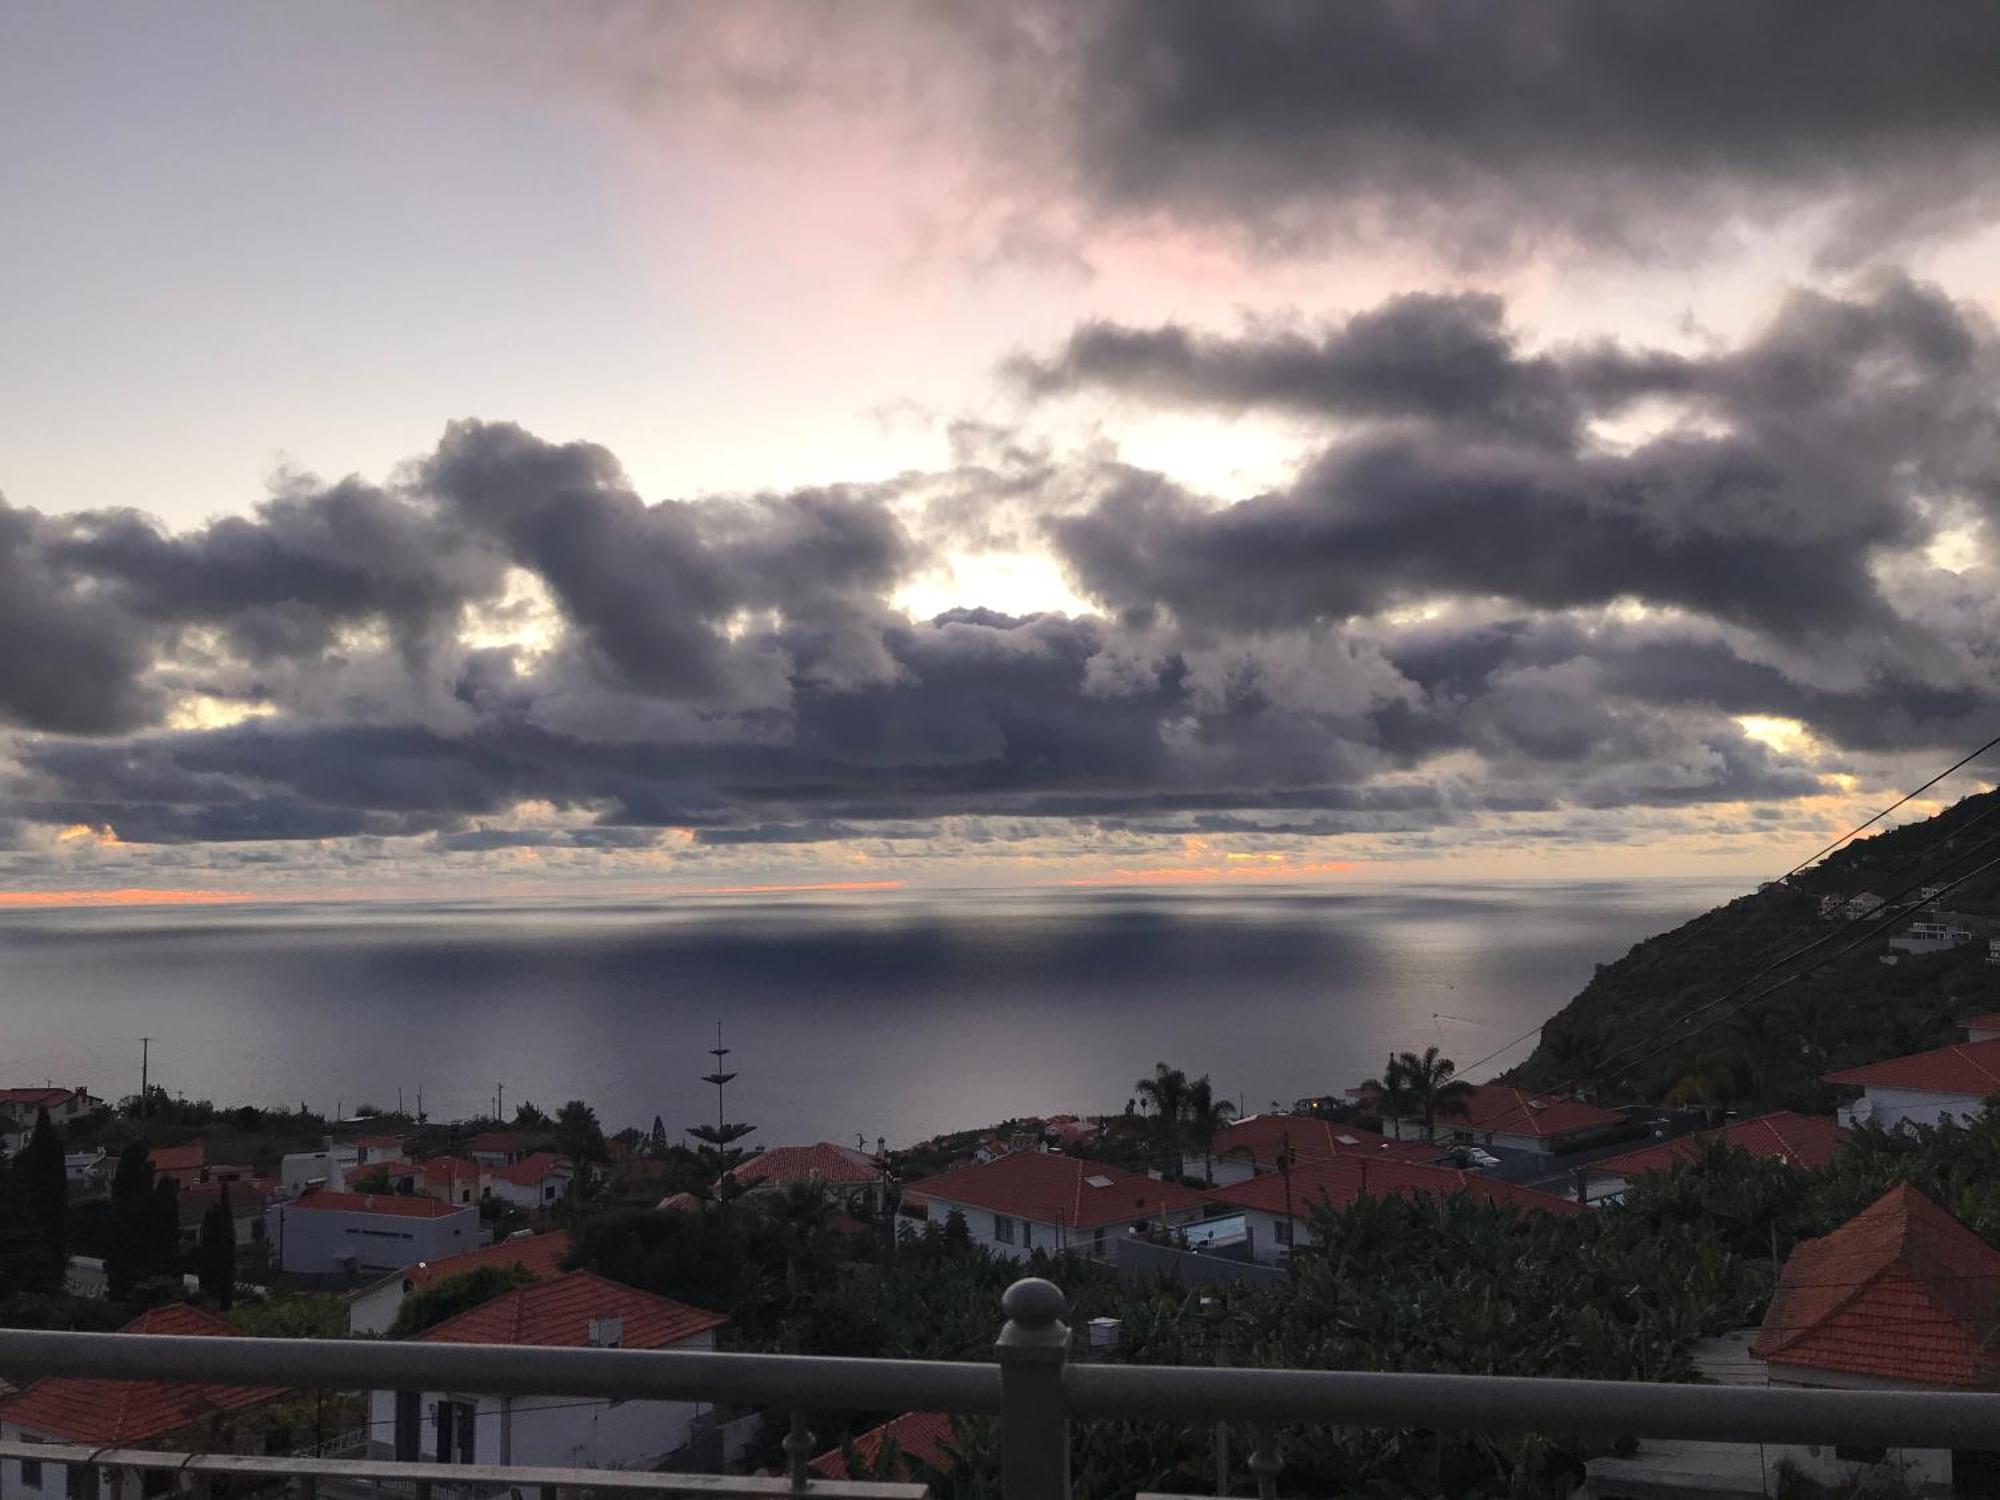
1165, 1097
1428, 1087
1206, 1117
803, 1214
1392, 1094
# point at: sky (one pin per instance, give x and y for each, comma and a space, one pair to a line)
665, 447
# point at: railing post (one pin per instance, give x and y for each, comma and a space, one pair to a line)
798, 1452
1265, 1462
1034, 1423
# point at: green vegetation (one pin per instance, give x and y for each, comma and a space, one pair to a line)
1850, 1010
441, 1301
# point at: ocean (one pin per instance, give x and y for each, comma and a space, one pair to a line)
881, 1014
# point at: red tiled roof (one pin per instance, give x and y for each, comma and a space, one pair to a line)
246, 1198
679, 1203
401, 1205
393, 1170
179, 1158
126, 1413
497, 1140
1808, 1141
1966, 1068
558, 1313
1988, 1022
541, 1254
530, 1170
42, 1098
1901, 1291
920, 1435
824, 1162
1518, 1112
1050, 1188
374, 1142
1340, 1180
451, 1169
1261, 1137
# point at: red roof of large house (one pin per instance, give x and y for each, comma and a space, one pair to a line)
1808, 1141
530, 1170
540, 1254
1050, 1188
402, 1205
1902, 1291
1492, 1106
1966, 1068
450, 1169
126, 1413
1261, 1137
1988, 1022
42, 1098
191, 1158
557, 1314
918, 1434
824, 1162
1338, 1181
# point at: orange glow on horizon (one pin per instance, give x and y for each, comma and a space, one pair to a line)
1268, 867
782, 890
128, 896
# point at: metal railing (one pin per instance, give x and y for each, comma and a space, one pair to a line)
1031, 1386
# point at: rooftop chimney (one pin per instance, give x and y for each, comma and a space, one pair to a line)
606, 1333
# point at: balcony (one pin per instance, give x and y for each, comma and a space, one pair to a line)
1031, 1386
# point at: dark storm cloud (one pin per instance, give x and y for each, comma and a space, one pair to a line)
1818, 443
1626, 127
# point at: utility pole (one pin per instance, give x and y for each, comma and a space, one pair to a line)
1285, 1171
500, 1102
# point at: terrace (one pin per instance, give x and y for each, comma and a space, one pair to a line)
1031, 1386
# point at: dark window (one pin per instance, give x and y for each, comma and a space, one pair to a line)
73, 1484
156, 1482
1003, 1229
1850, 1454
409, 1427
31, 1471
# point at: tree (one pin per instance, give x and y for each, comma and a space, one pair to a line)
1206, 1118
163, 1229
41, 1209
127, 1257
527, 1117
431, 1305
215, 1252
1391, 1090
1428, 1087
802, 1214
1165, 1097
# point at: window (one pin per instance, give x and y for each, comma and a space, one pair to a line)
156, 1482
1281, 1230
73, 1484
31, 1468
1003, 1229
1848, 1454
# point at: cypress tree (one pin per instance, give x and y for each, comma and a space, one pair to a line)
163, 1229
215, 1255
126, 1258
42, 1201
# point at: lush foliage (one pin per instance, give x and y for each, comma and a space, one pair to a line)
431, 1305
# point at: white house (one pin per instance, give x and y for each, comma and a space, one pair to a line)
1515, 1120
373, 1308
1277, 1207
845, 1173
18, 1107
327, 1166
1925, 1088
1984, 1028
123, 1414
1043, 1200
86, 1168
327, 1233
454, 1179
577, 1311
534, 1182
1255, 1144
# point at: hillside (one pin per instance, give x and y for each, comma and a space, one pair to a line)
1851, 1009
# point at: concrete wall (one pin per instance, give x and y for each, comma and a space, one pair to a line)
302, 1167
531, 1196
374, 1309
1893, 1107
333, 1242
1030, 1236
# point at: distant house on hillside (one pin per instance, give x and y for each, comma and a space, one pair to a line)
845, 1173
500, 1148
1277, 1207
580, 1310
1941, 931
1041, 1200
1254, 1144
1806, 1141
1951, 1082
248, 1203
454, 1179
1984, 1028
374, 1307
182, 1164
323, 1233
534, 1182
18, 1107
123, 1414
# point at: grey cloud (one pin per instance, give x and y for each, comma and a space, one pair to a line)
1631, 127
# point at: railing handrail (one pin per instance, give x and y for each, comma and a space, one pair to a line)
1940, 1419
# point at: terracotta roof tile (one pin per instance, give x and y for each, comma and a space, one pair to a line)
401, 1205
1260, 1138
1965, 1068
1050, 1188
920, 1435
1902, 1291
558, 1313
1518, 1112
540, 1254
1988, 1022
128, 1413
190, 1158
531, 1170
1340, 1180
1808, 1141
824, 1162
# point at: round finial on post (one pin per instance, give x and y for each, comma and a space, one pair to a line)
1034, 1303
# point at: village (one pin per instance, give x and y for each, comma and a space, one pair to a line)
545, 1231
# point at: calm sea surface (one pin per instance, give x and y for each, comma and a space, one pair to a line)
893, 1015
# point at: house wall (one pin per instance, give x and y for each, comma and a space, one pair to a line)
532, 1196
112, 1484
1893, 1107
1229, 1170
312, 1241
374, 1309
553, 1431
302, 1167
1031, 1235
